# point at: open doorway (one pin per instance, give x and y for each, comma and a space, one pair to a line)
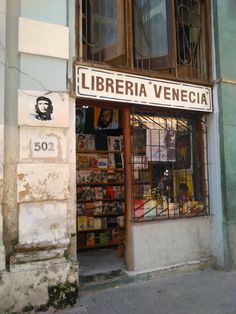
100, 181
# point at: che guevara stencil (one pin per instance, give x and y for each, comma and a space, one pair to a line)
43, 108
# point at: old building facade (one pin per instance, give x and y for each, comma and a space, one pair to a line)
162, 69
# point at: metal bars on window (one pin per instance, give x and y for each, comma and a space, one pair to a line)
169, 166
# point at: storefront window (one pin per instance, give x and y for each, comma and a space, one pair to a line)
169, 163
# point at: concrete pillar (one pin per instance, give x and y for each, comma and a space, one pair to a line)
2, 87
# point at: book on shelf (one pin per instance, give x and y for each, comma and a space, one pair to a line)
118, 193
97, 207
104, 176
119, 207
119, 160
83, 193
150, 208
85, 161
90, 239
85, 142
111, 222
147, 191
101, 141
111, 208
81, 208
103, 223
104, 192
138, 208
98, 192
110, 192
120, 221
104, 238
90, 222
110, 176
97, 223
119, 177
87, 176
105, 207
111, 160
114, 143
82, 222
103, 161
89, 208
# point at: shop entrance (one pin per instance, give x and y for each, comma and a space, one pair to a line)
100, 179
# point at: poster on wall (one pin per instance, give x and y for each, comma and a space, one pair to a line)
160, 145
43, 108
183, 150
80, 120
106, 119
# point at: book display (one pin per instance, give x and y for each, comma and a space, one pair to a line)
100, 188
166, 179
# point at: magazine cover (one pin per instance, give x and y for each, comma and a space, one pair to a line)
160, 145
114, 143
106, 119
85, 142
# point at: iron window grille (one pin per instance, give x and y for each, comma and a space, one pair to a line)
169, 166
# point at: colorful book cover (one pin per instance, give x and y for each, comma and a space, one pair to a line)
119, 177
104, 176
98, 192
80, 208
96, 176
147, 191
85, 176
118, 208
83, 193
97, 223
103, 161
110, 176
97, 207
85, 142
90, 221
110, 192
138, 208
118, 160
103, 223
150, 208
117, 192
111, 160
82, 222
120, 221
89, 208
114, 143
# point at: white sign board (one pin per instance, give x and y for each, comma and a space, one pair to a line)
123, 87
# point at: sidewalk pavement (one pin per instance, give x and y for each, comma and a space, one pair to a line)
200, 292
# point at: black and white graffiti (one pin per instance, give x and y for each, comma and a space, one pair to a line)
43, 109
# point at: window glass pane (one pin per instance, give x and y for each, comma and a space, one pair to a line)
150, 28
103, 31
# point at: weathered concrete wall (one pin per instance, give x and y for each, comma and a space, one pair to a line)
2, 100
39, 211
167, 243
225, 45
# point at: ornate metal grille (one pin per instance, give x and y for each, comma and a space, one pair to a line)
169, 162
190, 38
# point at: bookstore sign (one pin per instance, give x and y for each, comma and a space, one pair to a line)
123, 87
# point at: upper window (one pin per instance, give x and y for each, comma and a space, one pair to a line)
167, 36
103, 30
